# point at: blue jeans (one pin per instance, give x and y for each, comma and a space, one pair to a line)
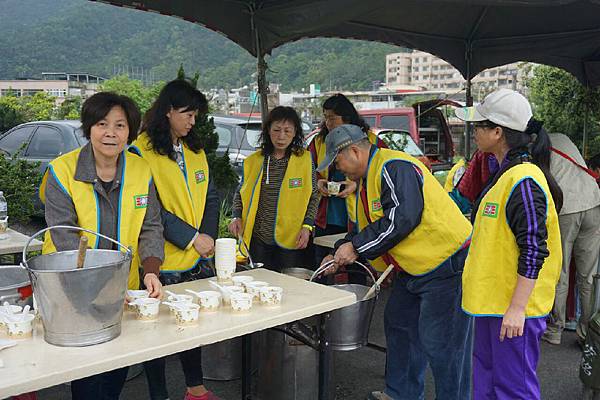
424, 324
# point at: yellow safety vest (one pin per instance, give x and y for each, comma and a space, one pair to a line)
449, 184
443, 230
321, 150
294, 196
182, 194
133, 201
490, 274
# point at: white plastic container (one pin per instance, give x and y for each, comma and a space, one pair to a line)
253, 288
271, 295
132, 295
209, 300
147, 309
241, 302
241, 280
187, 314
225, 252
19, 326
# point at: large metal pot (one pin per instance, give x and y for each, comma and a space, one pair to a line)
348, 327
15, 287
222, 361
80, 307
288, 368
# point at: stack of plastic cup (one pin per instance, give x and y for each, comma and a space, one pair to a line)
225, 251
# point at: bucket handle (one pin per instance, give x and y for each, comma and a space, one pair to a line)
73, 228
323, 267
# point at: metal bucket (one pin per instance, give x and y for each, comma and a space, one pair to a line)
348, 327
15, 287
79, 307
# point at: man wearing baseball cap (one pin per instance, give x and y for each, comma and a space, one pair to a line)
405, 218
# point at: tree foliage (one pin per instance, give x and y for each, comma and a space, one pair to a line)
42, 35
142, 95
19, 181
562, 103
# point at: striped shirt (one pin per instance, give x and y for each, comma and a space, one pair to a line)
264, 224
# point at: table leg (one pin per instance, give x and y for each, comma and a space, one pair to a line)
246, 367
325, 356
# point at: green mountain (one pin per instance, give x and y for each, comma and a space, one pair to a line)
83, 36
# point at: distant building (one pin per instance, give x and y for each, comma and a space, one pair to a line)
432, 73
57, 84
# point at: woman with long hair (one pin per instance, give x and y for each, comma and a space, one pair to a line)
515, 257
275, 206
190, 206
333, 212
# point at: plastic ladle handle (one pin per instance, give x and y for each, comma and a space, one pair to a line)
83, 241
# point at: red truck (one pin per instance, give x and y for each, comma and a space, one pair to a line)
425, 123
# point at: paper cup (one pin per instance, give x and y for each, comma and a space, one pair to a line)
209, 300
241, 302
254, 287
232, 290
10, 310
271, 295
19, 326
334, 188
240, 280
132, 295
181, 298
147, 309
187, 314
173, 305
225, 252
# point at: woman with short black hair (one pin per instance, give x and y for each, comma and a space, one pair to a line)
96, 187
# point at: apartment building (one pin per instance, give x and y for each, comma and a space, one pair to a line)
432, 73
57, 84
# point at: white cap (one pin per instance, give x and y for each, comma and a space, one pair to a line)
504, 107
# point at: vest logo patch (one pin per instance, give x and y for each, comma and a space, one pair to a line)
200, 176
376, 205
295, 183
140, 201
490, 210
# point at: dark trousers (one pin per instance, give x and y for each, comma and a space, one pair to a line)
191, 364
104, 386
424, 324
191, 360
276, 258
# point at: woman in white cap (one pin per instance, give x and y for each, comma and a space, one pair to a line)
515, 257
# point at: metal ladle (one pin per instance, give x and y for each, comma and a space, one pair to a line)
252, 266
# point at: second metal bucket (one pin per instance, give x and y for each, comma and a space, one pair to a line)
79, 307
348, 327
